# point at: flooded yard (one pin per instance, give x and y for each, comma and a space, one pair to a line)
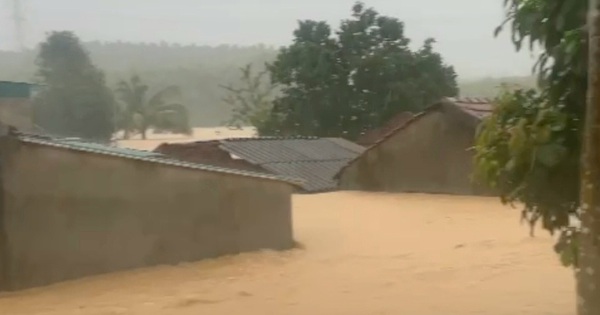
360, 254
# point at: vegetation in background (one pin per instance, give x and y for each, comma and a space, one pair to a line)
491, 87
75, 101
199, 71
162, 111
343, 83
251, 100
529, 149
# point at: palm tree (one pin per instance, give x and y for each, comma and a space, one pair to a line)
163, 111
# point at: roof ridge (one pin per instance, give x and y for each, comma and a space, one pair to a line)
239, 139
307, 161
470, 100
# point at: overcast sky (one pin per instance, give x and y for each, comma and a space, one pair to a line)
462, 28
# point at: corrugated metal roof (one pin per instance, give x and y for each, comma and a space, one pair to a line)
153, 157
10, 89
316, 160
96, 147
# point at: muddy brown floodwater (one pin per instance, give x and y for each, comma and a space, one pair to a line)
363, 254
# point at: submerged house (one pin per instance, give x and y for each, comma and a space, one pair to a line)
16, 104
431, 153
311, 159
370, 137
70, 209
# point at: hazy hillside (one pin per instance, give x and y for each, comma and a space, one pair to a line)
489, 87
198, 70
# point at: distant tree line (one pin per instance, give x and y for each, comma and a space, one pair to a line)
198, 71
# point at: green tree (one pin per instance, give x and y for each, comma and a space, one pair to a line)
356, 80
75, 101
162, 111
251, 101
529, 149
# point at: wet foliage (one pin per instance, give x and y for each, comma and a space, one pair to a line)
343, 82
529, 149
75, 100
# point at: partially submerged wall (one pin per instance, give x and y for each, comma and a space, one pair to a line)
68, 214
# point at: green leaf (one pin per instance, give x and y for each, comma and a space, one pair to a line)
550, 155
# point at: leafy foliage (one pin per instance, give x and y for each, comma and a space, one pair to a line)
356, 80
75, 101
162, 111
529, 148
252, 102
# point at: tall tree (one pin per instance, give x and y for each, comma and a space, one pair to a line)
163, 111
530, 148
356, 80
75, 101
251, 100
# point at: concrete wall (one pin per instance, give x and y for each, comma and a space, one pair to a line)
16, 112
430, 155
68, 214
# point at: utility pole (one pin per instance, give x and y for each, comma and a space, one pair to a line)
588, 271
19, 24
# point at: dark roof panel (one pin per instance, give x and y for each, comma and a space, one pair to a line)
316, 160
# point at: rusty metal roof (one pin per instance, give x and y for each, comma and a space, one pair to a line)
146, 156
208, 153
316, 160
476, 107
370, 137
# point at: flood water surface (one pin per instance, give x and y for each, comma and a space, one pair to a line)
360, 254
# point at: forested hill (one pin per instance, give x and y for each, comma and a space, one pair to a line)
198, 70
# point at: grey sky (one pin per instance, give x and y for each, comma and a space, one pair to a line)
463, 28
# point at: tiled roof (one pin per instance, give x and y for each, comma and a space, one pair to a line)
372, 136
152, 157
478, 108
316, 160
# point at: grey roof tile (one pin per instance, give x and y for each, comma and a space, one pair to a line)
316, 160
